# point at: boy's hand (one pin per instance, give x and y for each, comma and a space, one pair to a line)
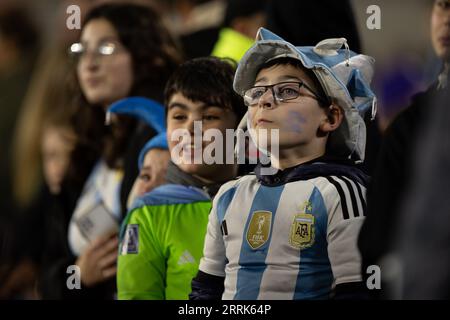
99, 262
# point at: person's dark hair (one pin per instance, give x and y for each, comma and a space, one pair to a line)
83, 155
15, 24
287, 19
209, 80
150, 44
240, 9
154, 57
296, 63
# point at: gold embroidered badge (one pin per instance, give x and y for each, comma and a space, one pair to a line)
258, 230
302, 231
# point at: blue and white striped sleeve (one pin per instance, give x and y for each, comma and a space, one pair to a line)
214, 254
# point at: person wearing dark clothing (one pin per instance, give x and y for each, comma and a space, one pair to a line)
423, 236
391, 177
238, 29
395, 163
288, 18
117, 39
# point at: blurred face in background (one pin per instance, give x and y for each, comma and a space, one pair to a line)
151, 175
57, 145
148, 179
440, 28
104, 67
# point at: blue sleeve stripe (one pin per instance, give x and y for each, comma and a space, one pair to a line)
169, 194
223, 203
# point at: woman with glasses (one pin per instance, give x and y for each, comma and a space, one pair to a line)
123, 51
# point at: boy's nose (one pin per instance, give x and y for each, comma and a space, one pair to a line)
267, 100
190, 126
194, 125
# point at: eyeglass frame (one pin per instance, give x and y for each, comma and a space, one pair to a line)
79, 54
275, 98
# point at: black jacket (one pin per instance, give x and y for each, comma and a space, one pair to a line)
389, 181
56, 211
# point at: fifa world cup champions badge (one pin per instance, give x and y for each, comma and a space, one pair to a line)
258, 231
302, 229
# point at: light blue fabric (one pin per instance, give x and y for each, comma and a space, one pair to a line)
252, 266
344, 75
148, 110
158, 141
168, 194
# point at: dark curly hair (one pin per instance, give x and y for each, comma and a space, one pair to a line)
154, 57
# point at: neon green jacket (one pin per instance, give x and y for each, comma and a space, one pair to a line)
161, 243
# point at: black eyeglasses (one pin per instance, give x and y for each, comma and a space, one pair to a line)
282, 91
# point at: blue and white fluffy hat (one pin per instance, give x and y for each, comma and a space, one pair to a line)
344, 75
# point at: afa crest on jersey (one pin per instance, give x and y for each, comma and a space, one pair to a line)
302, 231
258, 230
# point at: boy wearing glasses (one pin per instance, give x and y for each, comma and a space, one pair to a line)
292, 235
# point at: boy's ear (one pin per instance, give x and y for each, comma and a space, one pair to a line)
334, 117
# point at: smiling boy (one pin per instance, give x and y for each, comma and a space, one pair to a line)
162, 236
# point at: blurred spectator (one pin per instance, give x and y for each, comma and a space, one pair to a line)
18, 44
154, 156
394, 168
66, 164
228, 28
45, 117
146, 181
129, 40
423, 232
40, 236
197, 24
50, 210
47, 91
57, 144
242, 21
308, 22
47, 95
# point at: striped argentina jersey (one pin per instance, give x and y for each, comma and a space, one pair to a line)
288, 236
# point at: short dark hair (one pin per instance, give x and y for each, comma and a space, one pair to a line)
16, 25
209, 80
297, 63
